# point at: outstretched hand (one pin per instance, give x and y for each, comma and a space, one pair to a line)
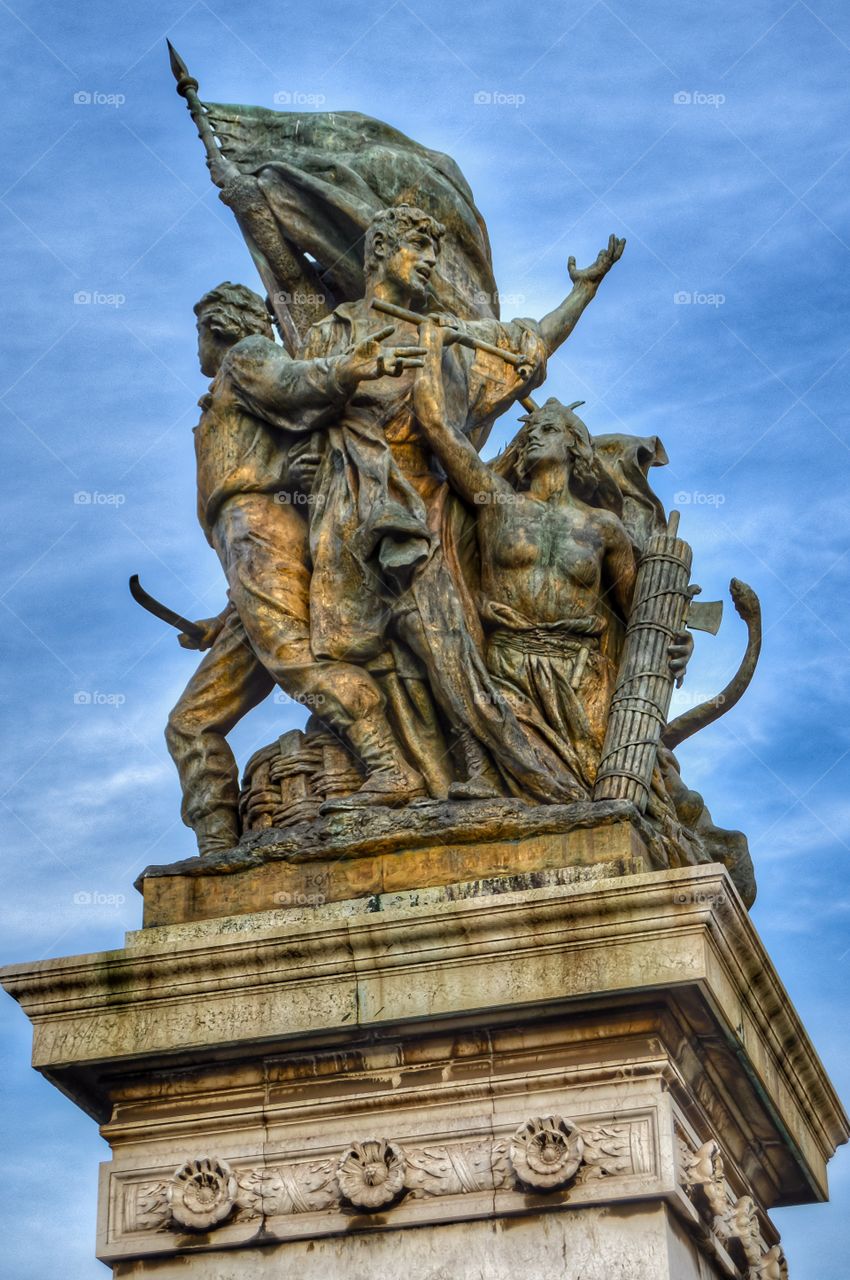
369, 358
605, 260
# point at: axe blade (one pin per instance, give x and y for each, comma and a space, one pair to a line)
705, 615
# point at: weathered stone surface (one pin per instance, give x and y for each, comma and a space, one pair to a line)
442, 1026
640, 1242
382, 851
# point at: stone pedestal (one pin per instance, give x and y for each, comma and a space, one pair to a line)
548, 1074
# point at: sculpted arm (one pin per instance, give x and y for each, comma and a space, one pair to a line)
302, 395
557, 326
467, 473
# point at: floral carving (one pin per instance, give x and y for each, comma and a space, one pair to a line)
146, 1207
608, 1151
202, 1193
453, 1170
299, 1188
546, 1152
371, 1174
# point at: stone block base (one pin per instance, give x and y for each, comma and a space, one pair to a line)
352, 857
577, 1078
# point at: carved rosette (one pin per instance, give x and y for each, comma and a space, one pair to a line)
202, 1193
546, 1152
371, 1174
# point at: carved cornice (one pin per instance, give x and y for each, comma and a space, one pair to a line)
671, 930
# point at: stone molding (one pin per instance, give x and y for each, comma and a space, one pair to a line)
292, 1196
674, 930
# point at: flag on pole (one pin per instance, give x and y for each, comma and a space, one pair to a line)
324, 176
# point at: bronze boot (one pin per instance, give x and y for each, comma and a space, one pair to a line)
390, 780
217, 830
481, 782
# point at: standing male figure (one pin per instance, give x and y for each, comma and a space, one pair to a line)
260, 402
380, 573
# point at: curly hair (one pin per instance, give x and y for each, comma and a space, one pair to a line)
397, 222
234, 311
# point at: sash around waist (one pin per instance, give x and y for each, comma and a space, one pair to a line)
546, 641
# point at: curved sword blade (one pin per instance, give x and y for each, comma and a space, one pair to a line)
162, 611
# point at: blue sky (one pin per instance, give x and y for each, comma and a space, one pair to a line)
737, 196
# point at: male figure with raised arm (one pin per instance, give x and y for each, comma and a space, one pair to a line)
379, 569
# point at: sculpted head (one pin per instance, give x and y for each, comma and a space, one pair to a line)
401, 249
554, 436
227, 314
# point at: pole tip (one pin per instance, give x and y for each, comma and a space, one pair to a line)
179, 70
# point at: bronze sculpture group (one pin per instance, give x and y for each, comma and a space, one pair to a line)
456, 626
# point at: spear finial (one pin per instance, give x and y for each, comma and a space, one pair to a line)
180, 71
221, 169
